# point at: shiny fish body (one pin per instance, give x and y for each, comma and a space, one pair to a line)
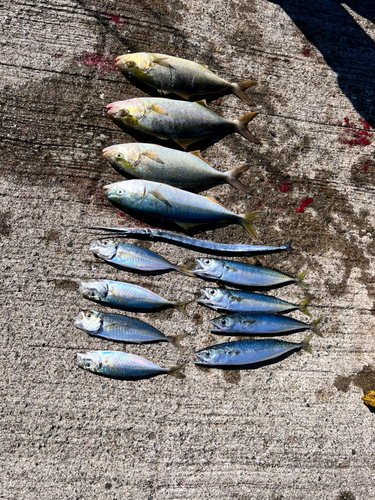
260, 324
237, 273
244, 301
202, 246
132, 257
170, 74
246, 352
122, 366
184, 122
176, 205
177, 168
120, 328
125, 296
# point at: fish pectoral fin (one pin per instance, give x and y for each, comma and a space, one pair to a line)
157, 194
113, 326
211, 199
249, 322
119, 298
184, 143
163, 61
186, 225
158, 109
114, 367
198, 155
202, 103
153, 156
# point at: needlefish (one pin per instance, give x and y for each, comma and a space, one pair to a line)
244, 301
132, 257
161, 201
199, 245
123, 366
126, 296
120, 328
179, 76
246, 352
254, 323
238, 273
182, 121
176, 168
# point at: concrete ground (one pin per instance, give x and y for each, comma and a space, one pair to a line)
296, 429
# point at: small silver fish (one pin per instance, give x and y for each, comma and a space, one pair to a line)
238, 273
123, 366
178, 76
133, 257
127, 296
176, 168
121, 328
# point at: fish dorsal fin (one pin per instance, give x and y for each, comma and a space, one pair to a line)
153, 157
158, 109
198, 155
162, 61
202, 103
211, 199
157, 194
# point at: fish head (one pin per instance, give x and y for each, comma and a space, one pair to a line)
134, 65
214, 296
208, 356
122, 156
208, 268
127, 113
224, 323
90, 361
106, 249
125, 193
89, 321
94, 290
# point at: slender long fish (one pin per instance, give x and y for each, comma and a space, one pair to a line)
123, 366
133, 257
121, 328
170, 74
202, 246
244, 301
176, 168
247, 352
161, 201
238, 273
183, 122
261, 324
126, 296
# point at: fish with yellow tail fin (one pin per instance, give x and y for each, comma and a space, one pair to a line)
170, 74
172, 204
182, 121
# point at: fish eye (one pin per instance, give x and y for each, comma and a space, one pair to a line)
130, 64
119, 155
88, 315
123, 112
207, 261
87, 365
120, 192
212, 292
223, 321
92, 294
105, 242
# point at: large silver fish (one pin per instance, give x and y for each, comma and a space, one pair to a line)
169, 203
184, 122
123, 366
133, 257
178, 76
177, 168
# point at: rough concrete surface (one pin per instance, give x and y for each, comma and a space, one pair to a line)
296, 429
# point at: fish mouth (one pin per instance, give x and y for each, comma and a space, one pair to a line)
107, 151
112, 108
206, 298
78, 319
80, 360
109, 188
82, 288
218, 327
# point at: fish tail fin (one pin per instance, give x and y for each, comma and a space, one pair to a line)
175, 371
314, 326
303, 307
299, 279
184, 270
247, 219
238, 89
175, 340
305, 344
241, 126
288, 246
180, 305
231, 177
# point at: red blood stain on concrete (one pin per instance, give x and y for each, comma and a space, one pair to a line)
304, 204
354, 134
270, 182
285, 187
99, 61
121, 214
115, 19
306, 52
260, 204
365, 168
